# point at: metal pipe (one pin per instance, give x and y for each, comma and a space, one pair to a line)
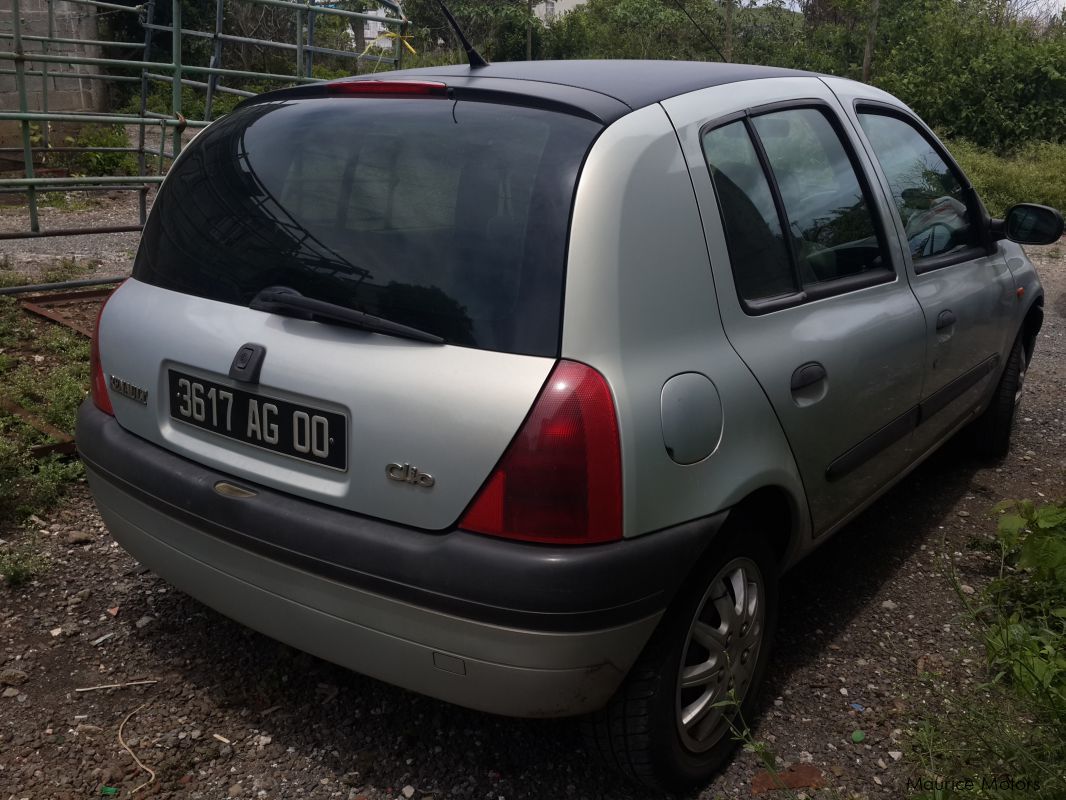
310, 43
201, 85
111, 6
71, 75
142, 163
71, 149
175, 95
337, 12
60, 40
113, 119
87, 180
69, 189
44, 70
125, 63
216, 60
20, 79
299, 42
229, 37
44, 287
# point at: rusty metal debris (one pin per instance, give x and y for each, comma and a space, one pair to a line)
64, 442
49, 307
47, 287
46, 306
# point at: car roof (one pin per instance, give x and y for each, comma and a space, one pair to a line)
634, 83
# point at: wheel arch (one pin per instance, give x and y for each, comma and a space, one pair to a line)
773, 512
1031, 324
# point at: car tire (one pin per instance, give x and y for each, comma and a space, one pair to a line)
643, 732
992, 430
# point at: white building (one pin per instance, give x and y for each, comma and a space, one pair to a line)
550, 10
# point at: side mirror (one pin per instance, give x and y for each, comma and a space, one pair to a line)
1028, 223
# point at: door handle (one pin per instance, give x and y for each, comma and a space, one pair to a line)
945, 319
807, 375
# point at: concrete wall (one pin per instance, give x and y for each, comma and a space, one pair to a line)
72, 21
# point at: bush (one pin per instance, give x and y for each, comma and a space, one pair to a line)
99, 163
1032, 174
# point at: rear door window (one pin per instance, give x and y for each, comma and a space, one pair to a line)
447, 216
798, 216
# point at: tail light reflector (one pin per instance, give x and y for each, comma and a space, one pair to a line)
360, 86
560, 480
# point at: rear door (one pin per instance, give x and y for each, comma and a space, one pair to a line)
446, 216
811, 290
966, 290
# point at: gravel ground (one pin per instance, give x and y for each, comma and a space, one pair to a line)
871, 627
107, 254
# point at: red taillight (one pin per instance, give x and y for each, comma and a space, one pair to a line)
560, 481
97, 381
393, 88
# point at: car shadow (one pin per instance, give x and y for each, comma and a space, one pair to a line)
370, 736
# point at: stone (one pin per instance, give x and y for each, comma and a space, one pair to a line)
12, 677
408, 792
144, 622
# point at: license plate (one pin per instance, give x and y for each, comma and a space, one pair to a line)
292, 429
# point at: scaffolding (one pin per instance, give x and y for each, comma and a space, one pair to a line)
41, 61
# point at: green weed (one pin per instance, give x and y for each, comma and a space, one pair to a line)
1007, 737
22, 562
1032, 174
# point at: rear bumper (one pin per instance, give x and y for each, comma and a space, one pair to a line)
505, 627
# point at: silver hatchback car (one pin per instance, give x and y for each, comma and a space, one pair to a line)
520, 386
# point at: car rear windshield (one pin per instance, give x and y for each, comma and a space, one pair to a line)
448, 216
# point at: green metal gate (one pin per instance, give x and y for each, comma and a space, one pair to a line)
33, 57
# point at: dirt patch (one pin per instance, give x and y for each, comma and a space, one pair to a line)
870, 626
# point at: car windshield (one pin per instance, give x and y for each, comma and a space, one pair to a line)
450, 217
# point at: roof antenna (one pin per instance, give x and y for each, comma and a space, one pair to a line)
472, 55
695, 24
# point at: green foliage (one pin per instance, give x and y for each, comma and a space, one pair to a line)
21, 562
496, 28
102, 163
1015, 725
1032, 174
27, 484
966, 66
160, 100
1027, 640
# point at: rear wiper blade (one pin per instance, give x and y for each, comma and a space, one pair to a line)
284, 300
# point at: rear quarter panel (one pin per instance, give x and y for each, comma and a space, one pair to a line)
641, 308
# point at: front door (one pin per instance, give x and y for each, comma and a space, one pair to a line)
966, 291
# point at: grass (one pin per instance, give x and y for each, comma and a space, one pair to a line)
22, 562
1007, 737
65, 269
1032, 174
29, 485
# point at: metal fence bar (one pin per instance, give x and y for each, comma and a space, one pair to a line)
82, 180
44, 73
60, 40
110, 6
200, 85
103, 119
20, 79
